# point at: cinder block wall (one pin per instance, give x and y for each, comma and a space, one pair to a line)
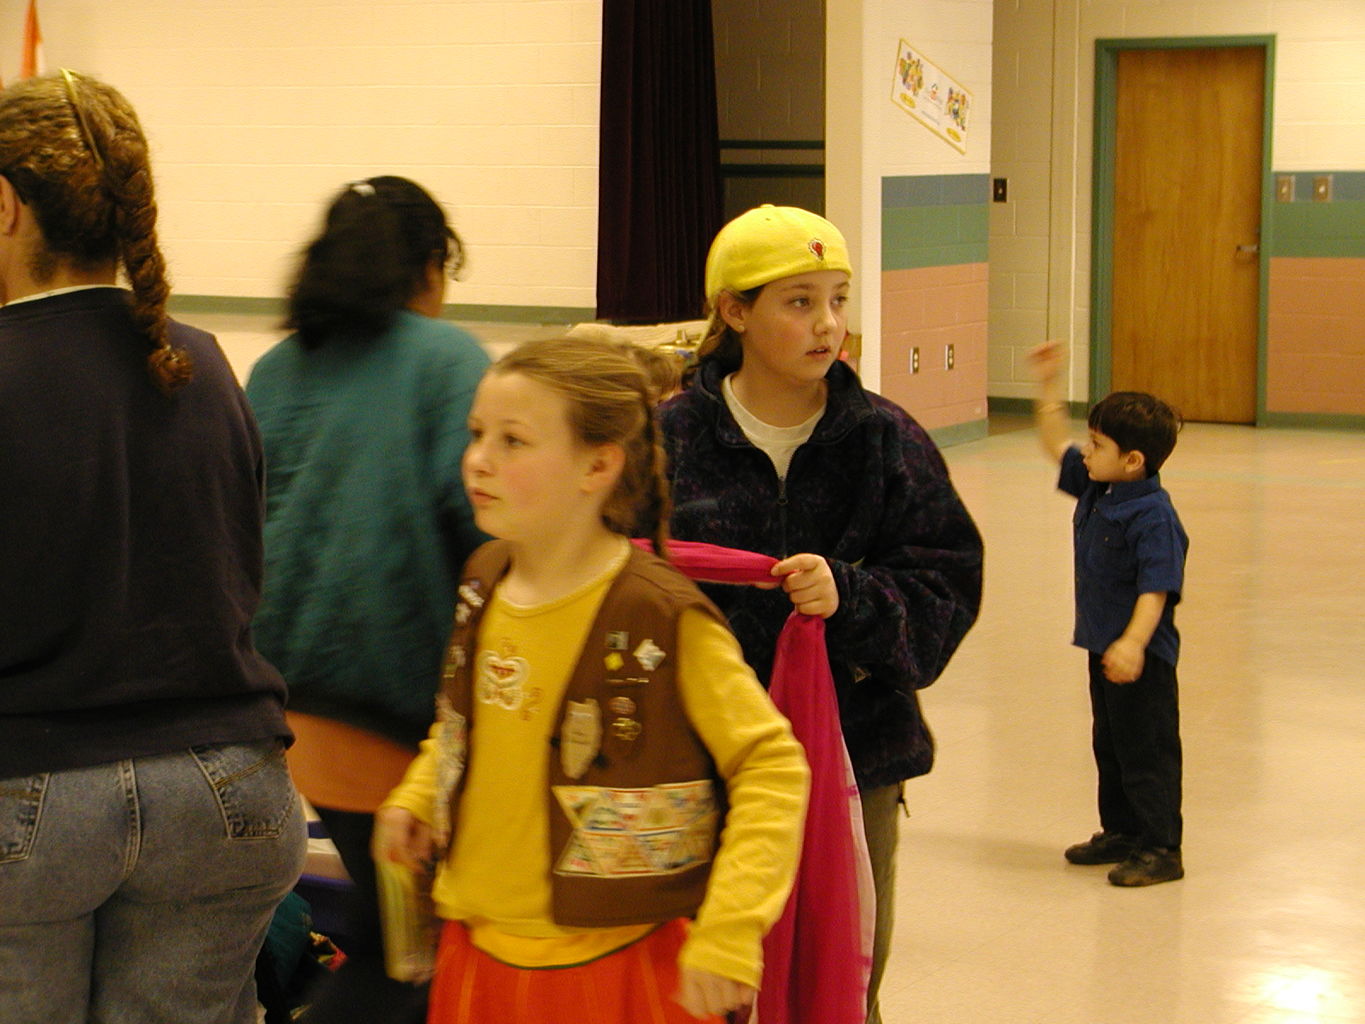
258, 110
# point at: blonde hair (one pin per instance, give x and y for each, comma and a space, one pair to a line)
662, 369
74, 151
610, 402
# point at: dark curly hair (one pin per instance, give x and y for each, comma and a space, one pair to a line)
1138, 422
379, 238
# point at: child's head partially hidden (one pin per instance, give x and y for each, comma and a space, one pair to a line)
663, 369
1131, 435
562, 431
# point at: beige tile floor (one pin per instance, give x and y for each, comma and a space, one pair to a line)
1268, 927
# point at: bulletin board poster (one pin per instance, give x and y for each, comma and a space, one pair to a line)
924, 91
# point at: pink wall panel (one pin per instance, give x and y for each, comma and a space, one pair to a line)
1315, 344
930, 308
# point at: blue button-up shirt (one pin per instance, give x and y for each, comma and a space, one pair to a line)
1129, 541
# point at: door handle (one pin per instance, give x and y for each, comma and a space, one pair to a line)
1249, 250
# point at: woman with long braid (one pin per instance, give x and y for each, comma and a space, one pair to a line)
148, 826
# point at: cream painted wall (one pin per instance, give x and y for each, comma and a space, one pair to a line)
1044, 64
259, 110
868, 137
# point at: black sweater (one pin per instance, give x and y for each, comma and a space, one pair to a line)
130, 544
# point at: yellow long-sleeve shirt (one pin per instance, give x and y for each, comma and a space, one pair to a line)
496, 876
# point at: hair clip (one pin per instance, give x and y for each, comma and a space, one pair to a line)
69, 77
362, 188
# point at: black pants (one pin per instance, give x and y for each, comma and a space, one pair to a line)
1137, 751
359, 992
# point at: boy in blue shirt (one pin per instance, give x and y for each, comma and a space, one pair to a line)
1130, 562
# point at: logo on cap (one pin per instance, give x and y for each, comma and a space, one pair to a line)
817, 248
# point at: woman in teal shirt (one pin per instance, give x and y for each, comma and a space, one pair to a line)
363, 415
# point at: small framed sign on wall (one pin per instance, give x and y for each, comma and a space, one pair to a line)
931, 96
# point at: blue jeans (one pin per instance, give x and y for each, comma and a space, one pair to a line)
139, 892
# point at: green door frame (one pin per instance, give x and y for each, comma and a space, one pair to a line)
1102, 199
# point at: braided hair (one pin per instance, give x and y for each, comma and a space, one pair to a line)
74, 151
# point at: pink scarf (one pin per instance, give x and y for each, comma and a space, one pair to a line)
818, 956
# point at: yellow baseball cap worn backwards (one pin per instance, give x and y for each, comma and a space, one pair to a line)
769, 243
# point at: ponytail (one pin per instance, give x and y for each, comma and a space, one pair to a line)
721, 343
380, 238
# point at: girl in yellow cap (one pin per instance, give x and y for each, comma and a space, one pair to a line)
776, 447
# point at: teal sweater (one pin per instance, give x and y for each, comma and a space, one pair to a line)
367, 523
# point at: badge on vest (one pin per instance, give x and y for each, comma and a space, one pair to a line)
649, 655
659, 830
470, 600
452, 745
580, 737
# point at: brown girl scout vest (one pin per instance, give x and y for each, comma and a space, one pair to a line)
634, 800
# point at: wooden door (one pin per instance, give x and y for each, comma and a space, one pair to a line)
1187, 215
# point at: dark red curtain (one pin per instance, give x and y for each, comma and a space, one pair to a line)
659, 194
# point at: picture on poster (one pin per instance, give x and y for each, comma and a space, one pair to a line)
928, 94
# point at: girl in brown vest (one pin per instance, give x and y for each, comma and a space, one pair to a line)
612, 802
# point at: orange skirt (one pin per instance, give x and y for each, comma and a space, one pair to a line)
634, 985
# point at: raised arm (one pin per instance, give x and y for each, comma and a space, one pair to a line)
1049, 410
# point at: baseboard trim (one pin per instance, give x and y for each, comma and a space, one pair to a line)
960, 433
1024, 407
1313, 420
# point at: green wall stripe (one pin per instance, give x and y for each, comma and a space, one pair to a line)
934, 236
258, 306
1318, 229
237, 305
935, 190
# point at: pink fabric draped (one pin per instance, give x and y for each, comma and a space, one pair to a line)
818, 955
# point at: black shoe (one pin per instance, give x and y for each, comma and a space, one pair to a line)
1148, 867
1101, 848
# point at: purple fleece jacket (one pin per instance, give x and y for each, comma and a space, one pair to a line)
871, 493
